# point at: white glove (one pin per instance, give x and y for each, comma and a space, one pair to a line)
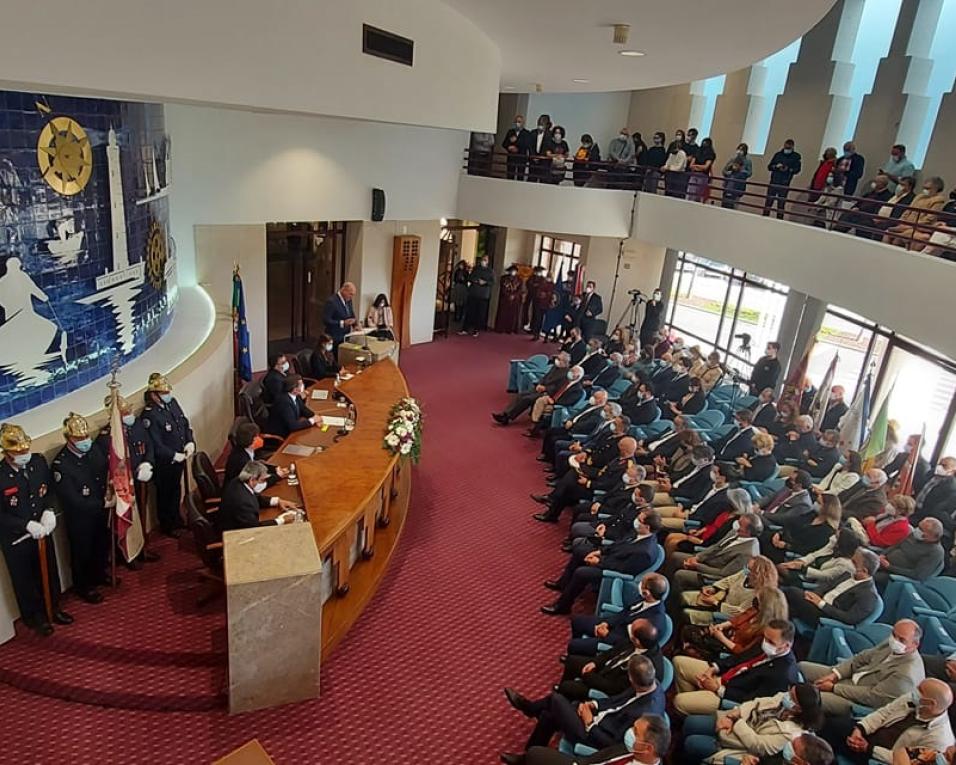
35, 530
287, 517
179, 457
190, 449
48, 521
144, 472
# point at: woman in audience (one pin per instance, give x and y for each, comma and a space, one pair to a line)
804, 538
640, 151
379, 317
692, 402
757, 729
615, 343
890, 526
841, 477
323, 360
558, 153
739, 502
739, 633
700, 168
713, 371
784, 421
681, 459
818, 182
761, 465
731, 595
584, 158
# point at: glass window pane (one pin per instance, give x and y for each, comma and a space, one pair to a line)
922, 394
760, 313
726, 330
698, 307
850, 340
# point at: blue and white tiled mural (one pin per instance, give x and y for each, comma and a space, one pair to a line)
87, 267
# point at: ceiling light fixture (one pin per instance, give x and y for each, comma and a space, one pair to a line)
631, 52
580, 81
508, 87
621, 32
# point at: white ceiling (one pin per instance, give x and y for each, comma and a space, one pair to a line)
553, 42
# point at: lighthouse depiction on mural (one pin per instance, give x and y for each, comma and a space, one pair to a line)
87, 276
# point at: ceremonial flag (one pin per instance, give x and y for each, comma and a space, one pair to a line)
853, 423
793, 387
904, 482
241, 359
127, 526
876, 441
819, 406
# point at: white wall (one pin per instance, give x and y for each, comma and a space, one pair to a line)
600, 114
302, 56
640, 269
235, 167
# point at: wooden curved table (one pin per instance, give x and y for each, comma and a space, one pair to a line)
354, 492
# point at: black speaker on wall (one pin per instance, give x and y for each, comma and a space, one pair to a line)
378, 204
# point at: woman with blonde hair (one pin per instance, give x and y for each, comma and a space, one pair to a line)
741, 632
731, 595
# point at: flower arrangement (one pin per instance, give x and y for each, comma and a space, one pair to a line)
403, 436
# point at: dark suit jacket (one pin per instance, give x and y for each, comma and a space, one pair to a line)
693, 489
237, 460
272, 386
553, 379
831, 417
239, 508
570, 397
852, 606
591, 306
825, 458
793, 450
920, 476
638, 609
762, 466
795, 509
766, 415
610, 667
323, 367
710, 508
735, 445
588, 420
334, 313
677, 387
287, 415
643, 413
607, 376
693, 405
576, 351
861, 501
940, 502
612, 727
629, 556
593, 364
766, 679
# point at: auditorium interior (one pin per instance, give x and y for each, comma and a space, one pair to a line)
471, 381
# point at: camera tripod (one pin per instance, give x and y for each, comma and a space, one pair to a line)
631, 313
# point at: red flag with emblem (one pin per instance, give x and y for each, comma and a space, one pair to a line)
127, 526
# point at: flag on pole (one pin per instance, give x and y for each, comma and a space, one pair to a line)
853, 423
127, 525
793, 387
819, 406
241, 359
904, 482
876, 441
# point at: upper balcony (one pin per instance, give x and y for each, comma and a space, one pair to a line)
828, 246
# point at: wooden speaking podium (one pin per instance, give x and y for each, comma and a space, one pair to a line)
406, 252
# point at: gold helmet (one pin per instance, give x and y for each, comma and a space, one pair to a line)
158, 383
76, 426
14, 439
124, 405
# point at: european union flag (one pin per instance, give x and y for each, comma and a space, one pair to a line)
240, 331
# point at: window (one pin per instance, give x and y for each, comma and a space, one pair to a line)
558, 256
922, 393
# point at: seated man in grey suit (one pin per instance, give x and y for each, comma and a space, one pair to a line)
919, 556
873, 677
726, 557
849, 598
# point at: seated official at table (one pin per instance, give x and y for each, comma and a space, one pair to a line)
242, 499
289, 412
323, 359
245, 443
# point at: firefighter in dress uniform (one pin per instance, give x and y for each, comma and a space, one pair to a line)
80, 476
141, 460
173, 444
26, 510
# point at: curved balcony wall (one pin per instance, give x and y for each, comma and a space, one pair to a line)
907, 291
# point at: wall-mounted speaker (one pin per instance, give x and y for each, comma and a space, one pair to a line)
378, 204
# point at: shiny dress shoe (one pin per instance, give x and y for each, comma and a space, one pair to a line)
44, 629
563, 658
553, 611
500, 418
62, 617
541, 499
542, 458
552, 584
518, 701
133, 565
566, 546
544, 518
551, 483
511, 758
91, 596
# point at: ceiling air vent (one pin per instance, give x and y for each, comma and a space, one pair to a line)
387, 45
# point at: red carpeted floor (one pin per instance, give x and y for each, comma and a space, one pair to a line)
419, 677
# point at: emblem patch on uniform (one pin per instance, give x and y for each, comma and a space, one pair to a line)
14, 501
42, 490
85, 491
57, 477
168, 427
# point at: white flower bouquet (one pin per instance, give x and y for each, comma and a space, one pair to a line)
403, 436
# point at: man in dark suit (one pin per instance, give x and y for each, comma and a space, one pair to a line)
820, 459
568, 393
289, 412
792, 504
582, 423
796, 442
649, 744
764, 410
766, 371
806, 748
861, 215
763, 670
653, 318
596, 448
245, 443
588, 631
688, 486
242, 499
515, 144
739, 441
539, 143
553, 379
849, 598
591, 309
609, 375
593, 723
594, 359
918, 557
921, 474
937, 498
273, 380
663, 446
339, 315
628, 556
867, 497
575, 345
677, 386
836, 408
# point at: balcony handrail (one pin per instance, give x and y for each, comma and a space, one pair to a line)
836, 212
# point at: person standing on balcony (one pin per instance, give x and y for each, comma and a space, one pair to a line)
516, 145
701, 165
620, 155
822, 174
897, 166
640, 149
480, 281
691, 147
558, 155
783, 166
852, 165
922, 213
675, 177
652, 161
592, 306
736, 172
587, 153
539, 144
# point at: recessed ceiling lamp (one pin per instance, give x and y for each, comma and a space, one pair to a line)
631, 52
580, 81
508, 87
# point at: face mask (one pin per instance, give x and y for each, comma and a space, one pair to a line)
865, 480
927, 192
284, 367
872, 184
260, 487
589, 290
328, 347
129, 419
22, 460
736, 526
623, 135
787, 702
769, 648
519, 125
592, 401
657, 295
84, 445
165, 397
630, 739
896, 646
940, 471
829, 180
658, 142
918, 535
612, 427
787, 752
570, 375
257, 443
788, 151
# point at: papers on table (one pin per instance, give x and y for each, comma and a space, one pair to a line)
298, 450
320, 395
346, 376
335, 422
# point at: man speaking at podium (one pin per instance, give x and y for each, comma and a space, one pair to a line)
338, 315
